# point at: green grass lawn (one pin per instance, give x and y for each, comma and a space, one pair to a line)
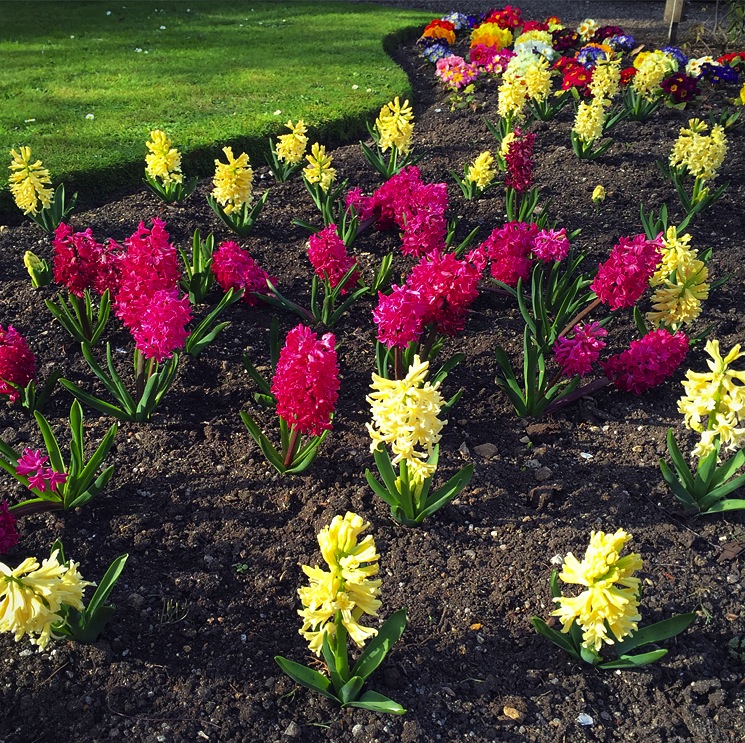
208, 73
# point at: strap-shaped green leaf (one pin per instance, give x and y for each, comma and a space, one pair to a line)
375, 702
95, 402
557, 638
728, 504
267, 449
50, 442
350, 691
655, 633
633, 661
105, 586
442, 496
679, 490
679, 462
306, 677
723, 473
377, 647
390, 498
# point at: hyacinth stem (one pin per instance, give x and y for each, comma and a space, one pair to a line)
587, 389
581, 316
398, 372
40, 506
291, 446
429, 341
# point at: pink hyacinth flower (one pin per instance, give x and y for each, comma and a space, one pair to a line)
234, 268
17, 362
508, 249
161, 323
622, 279
647, 362
30, 461
81, 263
327, 254
551, 245
399, 316
576, 355
306, 381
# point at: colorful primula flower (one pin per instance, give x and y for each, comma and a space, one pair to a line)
233, 181
455, 72
439, 30
587, 29
651, 69
30, 182
491, 35
306, 381
345, 592
608, 609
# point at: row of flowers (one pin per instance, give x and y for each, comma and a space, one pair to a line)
155, 290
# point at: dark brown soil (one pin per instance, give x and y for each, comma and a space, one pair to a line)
215, 537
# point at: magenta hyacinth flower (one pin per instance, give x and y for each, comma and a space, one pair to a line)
576, 355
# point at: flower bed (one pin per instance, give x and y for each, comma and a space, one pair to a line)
215, 534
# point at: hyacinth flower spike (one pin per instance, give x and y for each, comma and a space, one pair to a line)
303, 392
163, 174
333, 604
391, 133
606, 613
286, 157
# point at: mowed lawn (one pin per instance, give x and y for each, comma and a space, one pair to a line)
85, 82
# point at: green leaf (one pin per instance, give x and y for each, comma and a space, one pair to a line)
679, 490
306, 677
557, 638
266, 446
328, 655
390, 498
377, 703
728, 469
442, 496
50, 442
383, 462
728, 504
378, 647
679, 462
105, 587
706, 468
633, 661
655, 633
350, 691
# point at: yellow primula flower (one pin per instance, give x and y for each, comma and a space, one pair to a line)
606, 78
347, 590
30, 183
481, 171
588, 124
291, 147
163, 161
32, 597
717, 395
319, 168
404, 415
233, 181
701, 154
395, 126
611, 595
587, 29
490, 34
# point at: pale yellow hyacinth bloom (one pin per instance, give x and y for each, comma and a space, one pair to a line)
606, 78
598, 194
512, 97
681, 283
233, 181
507, 140
395, 126
163, 161
588, 123
717, 396
611, 595
30, 182
652, 69
319, 168
701, 154
291, 147
537, 78
347, 590
405, 418
481, 171
32, 596
742, 95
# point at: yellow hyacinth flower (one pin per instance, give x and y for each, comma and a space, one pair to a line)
163, 161
537, 78
395, 126
652, 69
598, 194
742, 95
701, 154
606, 78
32, 597
30, 182
319, 168
717, 396
611, 595
346, 591
291, 147
404, 415
481, 171
512, 97
588, 124
233, 181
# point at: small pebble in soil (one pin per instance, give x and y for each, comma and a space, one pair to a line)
585, 719
542, 474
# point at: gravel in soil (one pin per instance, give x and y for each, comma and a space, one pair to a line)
215, 537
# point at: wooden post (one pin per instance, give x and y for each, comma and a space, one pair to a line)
673, 16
